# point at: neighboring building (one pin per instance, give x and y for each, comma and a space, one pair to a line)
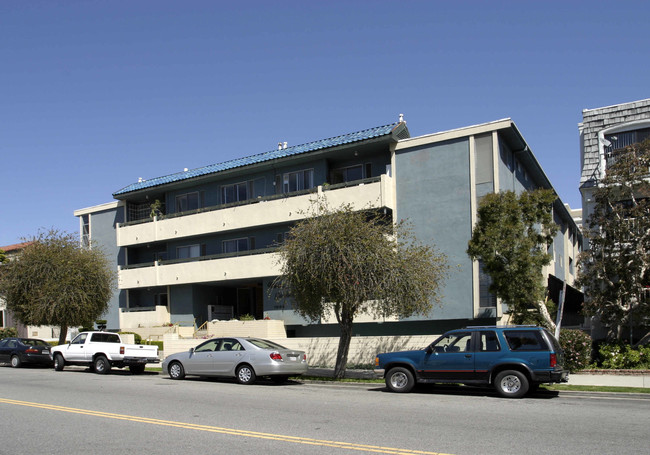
7, 319
604, 133
201, 244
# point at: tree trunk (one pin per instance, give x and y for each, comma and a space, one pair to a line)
345, 325
541, 306
63, 334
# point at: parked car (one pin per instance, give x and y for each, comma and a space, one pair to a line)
18, 351
242, 358
103, 350
513, 359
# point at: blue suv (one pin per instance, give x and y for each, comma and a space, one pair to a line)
513, 359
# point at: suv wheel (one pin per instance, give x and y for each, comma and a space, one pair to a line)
399, 380
511, 384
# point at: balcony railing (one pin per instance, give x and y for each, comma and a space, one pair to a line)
270, 210
257, 200
245, 265
208, 257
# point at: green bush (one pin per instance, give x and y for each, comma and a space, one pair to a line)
619, 355
156, 343
137, 338
8, 332
576, 345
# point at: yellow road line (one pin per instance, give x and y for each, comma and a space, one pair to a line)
228, 431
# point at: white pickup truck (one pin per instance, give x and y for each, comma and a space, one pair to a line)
103, 350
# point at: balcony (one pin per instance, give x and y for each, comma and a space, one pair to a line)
369, 193
217, 268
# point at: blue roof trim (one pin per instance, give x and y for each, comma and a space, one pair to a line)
260, 158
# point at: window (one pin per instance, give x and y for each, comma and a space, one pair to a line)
454, 342
2, 318
230, 344
489, 342
189, 201
208, 346
281, 237
237, 245
189, 251
80, 339
346, 174
237, 192
105, 337
85, 230
520, 340
486, 298
296, 181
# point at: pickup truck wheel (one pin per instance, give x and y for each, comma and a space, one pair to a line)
15, 361
399, 380
245, 374
136, 369
511, 384
102, 365
59, 363
176, 370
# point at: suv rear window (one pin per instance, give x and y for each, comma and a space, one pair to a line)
525, 340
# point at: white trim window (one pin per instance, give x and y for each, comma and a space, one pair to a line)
346, 174
296, 181
237, 245
189, 201
85, 230
237, 192
188, 251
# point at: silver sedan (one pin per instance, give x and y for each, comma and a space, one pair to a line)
242, 358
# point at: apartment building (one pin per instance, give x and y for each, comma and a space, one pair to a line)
202, 244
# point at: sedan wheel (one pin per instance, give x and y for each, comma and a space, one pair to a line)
176, 370
15, 361
245, 374
511, 384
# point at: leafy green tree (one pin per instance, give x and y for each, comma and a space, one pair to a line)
615, 270
56, 281
357, 262
3, 256
511, 238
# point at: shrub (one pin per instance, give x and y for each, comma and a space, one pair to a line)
619, 355
156, 343
136, 337
576, 345
8, 332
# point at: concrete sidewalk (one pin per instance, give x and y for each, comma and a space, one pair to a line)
606, 378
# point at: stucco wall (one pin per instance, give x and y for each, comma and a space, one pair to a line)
321, 352
433, 193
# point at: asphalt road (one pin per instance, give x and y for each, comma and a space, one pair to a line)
76, 411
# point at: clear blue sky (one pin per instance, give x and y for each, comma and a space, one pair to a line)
95, 94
